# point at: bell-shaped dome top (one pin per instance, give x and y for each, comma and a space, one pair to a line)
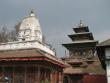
31, 21
30, 28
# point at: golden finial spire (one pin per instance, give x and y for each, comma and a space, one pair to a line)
31, 12
81, 24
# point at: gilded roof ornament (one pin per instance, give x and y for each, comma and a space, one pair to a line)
81, 24
32, 13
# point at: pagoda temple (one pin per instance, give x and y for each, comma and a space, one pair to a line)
83, 45
82, 56
29, 60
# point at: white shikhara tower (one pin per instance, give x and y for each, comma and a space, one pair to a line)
29, 36
30, 29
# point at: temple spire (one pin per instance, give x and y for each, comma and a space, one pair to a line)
81, 24
30, 28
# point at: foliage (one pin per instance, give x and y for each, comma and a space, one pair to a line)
7, 35
47, 81
4, 34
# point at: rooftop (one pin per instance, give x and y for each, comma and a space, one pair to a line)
87, 35
29, 54
17, 45
82, 42
71, 70
105, 43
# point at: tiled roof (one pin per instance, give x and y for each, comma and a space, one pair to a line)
74, 61
29, 53
81, 35
88, 66
95, 68
20, 53
104, 43
85, 68
73, 70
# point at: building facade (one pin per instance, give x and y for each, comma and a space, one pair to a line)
29, 60
103, 50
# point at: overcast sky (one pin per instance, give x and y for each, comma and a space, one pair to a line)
58, 17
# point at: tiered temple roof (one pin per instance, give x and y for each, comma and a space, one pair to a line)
81, 38
82, 55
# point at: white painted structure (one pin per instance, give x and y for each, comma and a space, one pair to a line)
29, 36
30, 29
107, 55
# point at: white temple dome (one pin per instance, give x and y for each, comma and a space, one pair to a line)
30, 28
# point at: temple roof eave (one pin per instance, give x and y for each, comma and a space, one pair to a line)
30, 55
71, 70
89, 34
81, 28
80, 44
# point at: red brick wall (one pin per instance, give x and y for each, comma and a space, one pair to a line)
94, 79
